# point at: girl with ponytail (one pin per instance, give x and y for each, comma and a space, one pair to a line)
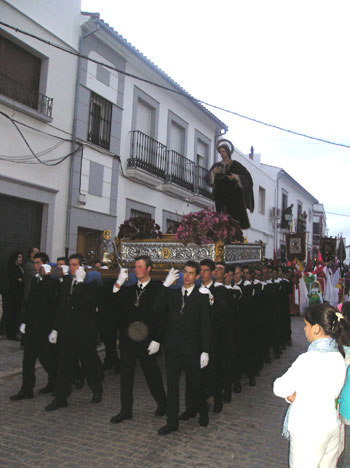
312, 385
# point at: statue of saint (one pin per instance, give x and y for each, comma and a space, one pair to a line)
232, 185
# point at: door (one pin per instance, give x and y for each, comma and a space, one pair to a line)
20, 229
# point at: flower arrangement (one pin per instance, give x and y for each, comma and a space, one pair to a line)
139, 227
207, 227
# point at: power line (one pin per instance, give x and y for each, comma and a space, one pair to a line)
53, 162
338, 214
182, 93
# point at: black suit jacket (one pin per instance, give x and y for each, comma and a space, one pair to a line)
188, 333
75, 315
39, 310
148, 313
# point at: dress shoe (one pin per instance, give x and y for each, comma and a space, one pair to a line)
120, 417
237, 388
47, 389
203, 419
165, 430
227, 396
96, 398
56, 404
187, 414
161, 409
217, 406
21, 395
79, 383
252, 381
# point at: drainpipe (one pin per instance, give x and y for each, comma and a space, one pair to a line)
74, 131
279, 176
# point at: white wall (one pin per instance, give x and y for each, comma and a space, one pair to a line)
61, 79
60, 17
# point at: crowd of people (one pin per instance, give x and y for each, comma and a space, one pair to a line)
220, 324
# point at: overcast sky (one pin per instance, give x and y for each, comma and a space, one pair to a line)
283, 62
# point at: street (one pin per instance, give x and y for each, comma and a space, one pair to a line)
245, 434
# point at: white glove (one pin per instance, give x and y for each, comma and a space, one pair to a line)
204, 360
173, 275
65, 269
80, 274
47, 268
22, 328
53, 337
153, 347
123, 276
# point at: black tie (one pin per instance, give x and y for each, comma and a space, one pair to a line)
74, 283
185, 296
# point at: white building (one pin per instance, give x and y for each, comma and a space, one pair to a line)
146, 148
37, 91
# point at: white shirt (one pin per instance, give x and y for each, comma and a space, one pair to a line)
317, 378
143, 285
189, 290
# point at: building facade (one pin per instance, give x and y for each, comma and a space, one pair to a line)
37, 93
147, 143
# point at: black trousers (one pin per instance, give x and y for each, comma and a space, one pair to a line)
13, 313
175, 363
37, 346
85, 350
108, 329
151, 372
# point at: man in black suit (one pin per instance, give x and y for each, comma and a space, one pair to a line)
186, 342
75, 329
141, 328
36, 325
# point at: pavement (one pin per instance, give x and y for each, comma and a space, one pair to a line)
247, 434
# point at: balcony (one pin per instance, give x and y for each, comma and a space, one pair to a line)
29, 97
152, 163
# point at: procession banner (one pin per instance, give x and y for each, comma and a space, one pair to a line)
296, 246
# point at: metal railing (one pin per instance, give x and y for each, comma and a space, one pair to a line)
148, 154
180, 170
201, 186
27, 96
169, 165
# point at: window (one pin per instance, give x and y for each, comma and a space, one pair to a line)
20, 75
100, 121
284, 201
145, 118
171, 226
262, 196
177, 133
145, 113
300, 209
136, 213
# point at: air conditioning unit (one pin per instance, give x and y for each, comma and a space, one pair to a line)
275, 212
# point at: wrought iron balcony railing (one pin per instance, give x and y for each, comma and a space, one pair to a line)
170, 166
24, 95
202, 187
180, 170
148, 154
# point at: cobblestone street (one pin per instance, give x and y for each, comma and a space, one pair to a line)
245, 434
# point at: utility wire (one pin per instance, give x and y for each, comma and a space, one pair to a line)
338, 214
45, 163
182, 93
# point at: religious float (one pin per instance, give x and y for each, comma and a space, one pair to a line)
200, 235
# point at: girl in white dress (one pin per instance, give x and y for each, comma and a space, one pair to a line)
312, 385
